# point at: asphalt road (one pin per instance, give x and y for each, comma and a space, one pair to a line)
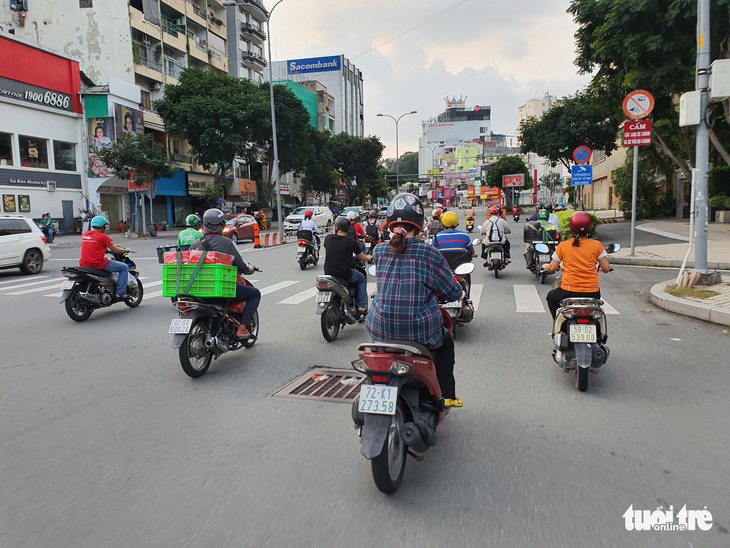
106, 442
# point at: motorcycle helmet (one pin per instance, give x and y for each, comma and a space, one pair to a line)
213, 220
342, 223
192, 221
437, 213
549, 208
352, 216
494, 210
450, 219
308, 214
543, 215
405, 208
373, 214
580, 223
99, 221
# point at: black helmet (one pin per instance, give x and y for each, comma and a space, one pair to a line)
549, 207
213, 220
373, 214
405, 208
343, 223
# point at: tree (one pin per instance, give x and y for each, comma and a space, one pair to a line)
408, 166
319, 170
507, 165
647, 189
357, 161
218, 113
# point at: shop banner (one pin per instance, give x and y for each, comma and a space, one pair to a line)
128, 120
102, 133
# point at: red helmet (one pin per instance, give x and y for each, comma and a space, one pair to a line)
437, 212
494, 210
308, 213
580, 223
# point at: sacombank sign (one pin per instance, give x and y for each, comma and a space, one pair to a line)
314, 64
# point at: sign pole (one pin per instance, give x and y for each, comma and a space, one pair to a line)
633, 196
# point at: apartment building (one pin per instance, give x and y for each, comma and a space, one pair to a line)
246, 25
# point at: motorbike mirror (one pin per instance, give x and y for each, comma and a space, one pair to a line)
479, 227
476, 241
542, 248
464, 269
372, 270
613, 248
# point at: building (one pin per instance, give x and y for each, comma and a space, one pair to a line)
42, 137
343, 82
536, 107
246, 39
325, 105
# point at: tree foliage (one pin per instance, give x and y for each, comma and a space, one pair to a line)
357, 161
408, 166
647, 189
319, 171
508, 165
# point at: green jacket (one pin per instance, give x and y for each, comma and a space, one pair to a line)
188, 236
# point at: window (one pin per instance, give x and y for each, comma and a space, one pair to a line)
33, 152
64, 155
13, 226
6, 149
146, 101
86, 3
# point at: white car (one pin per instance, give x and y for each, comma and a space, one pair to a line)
22, 244
322, 216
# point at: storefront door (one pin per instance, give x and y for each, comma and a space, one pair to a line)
67, 206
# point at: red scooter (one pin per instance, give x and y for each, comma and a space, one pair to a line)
399, 406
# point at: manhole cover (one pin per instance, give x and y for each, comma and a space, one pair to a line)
321, 384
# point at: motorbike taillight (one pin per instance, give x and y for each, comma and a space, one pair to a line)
303, 242
183, 306
583, 311
324, 284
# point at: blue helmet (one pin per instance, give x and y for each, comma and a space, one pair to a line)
99, 221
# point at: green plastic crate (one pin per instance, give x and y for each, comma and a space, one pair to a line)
213, 280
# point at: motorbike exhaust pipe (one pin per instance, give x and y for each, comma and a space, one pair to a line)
413, 438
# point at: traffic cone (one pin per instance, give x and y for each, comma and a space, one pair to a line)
256, 237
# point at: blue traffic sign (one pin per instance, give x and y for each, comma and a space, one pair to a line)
581, 155
581, 175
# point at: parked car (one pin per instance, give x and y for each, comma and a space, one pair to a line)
239, 227
22, 244
362, 214
322, 216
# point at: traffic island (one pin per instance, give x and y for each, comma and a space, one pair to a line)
711, 303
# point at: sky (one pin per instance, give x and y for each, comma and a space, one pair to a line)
496, 53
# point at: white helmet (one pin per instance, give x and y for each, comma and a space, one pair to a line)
352, 215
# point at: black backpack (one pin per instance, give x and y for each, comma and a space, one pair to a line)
371, 229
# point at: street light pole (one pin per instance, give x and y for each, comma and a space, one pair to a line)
397, 157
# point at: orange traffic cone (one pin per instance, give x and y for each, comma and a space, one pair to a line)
256, 237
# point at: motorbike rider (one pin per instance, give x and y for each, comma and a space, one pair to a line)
411, 277
356, 232
340, 248
552, 219
435, 225
578, 256
213, 240
190, 234
533, 217
452, 243
544, 226
469, 213
372, 227
94, 244
313, 227
496, 230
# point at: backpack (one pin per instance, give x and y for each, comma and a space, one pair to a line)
492, 230
371, 230
435, 227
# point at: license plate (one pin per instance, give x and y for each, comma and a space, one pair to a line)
180, 325
496, 255
324, 296
301, 249
377, 399
582, 333
544, 258
452, 304
67, 284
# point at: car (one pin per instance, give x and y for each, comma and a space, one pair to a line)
239, 227
383, 212
322, 216
463, 205
22, 244
361, 213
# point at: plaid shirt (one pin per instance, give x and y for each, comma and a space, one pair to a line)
406, 304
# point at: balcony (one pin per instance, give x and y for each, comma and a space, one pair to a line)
217, 26
173, 68
172, 27
137, 20
198, 47
255, 58
258, 6
177, 5
195, 13
218, 59
250, 28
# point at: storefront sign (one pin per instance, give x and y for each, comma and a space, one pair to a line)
313, 64
28, 178
284, 189
35, 94
247, 187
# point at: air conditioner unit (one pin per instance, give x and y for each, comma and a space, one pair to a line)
51, 186
156, 86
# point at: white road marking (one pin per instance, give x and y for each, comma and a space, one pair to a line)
35, 289
151, 284
476, 295
15, 281
54, 294
300, 297
152, 295
278, 286
29, 284
608, 309
527, 299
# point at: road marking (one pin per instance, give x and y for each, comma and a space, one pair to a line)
152, 295
35, 289
54, 294
527, 299
300, 297
476, 295
15, 281
278, 286
29, 284
608, 309
152, 284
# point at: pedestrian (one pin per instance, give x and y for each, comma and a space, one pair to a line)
47, 227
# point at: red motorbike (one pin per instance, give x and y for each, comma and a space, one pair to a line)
399, 406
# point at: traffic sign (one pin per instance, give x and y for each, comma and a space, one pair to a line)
581, 175
637, 132
638, 104
582, 154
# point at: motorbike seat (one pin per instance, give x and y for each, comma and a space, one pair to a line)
581, 302
335, 279
396, 347
456, 257
89, 270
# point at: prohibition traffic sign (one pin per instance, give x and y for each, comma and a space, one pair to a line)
581, 155
638, 104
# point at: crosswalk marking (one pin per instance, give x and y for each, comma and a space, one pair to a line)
14, 281
527, 299
151, 284
35, 289
608, 309
299, 298
476, 295
152, 295
276, 287
29, 284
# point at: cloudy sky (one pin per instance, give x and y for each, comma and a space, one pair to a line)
494, 52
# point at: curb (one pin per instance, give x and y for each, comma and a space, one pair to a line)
662, 299
667, 263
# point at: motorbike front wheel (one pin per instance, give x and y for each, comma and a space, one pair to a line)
388, 467
581, 378
194, 357
76, 309
136, 294
331, 322
543, 275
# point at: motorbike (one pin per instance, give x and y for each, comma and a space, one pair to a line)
205, 329
305, 249
580, 333
493, 255
336, 304
542, 253
370, 244
469, 225
516, 217
88, 289
460, 311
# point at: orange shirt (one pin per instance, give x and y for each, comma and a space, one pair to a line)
579, 264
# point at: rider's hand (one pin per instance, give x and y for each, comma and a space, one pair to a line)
368, 257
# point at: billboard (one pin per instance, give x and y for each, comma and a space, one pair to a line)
513, 180
128, 120
314, 64
102, 133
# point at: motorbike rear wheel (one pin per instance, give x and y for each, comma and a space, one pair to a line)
330, 322
193, 364
303, 262
75, 306
388, 467
496, 270
136, 295
581, 378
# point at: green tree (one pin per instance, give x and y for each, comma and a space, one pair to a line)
319, 170
507, 165
218, 114
357, 161
408, 167
647, 189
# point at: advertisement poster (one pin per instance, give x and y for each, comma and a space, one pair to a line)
9, 203
128, 120
101, 135
24, 203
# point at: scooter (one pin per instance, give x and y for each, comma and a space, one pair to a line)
493, 255
469, 224
336, 304
205, 329
461, 311
542, 253
516, 214
580, 333
87, 289
305, 251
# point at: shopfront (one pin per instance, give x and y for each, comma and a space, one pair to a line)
41, 134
